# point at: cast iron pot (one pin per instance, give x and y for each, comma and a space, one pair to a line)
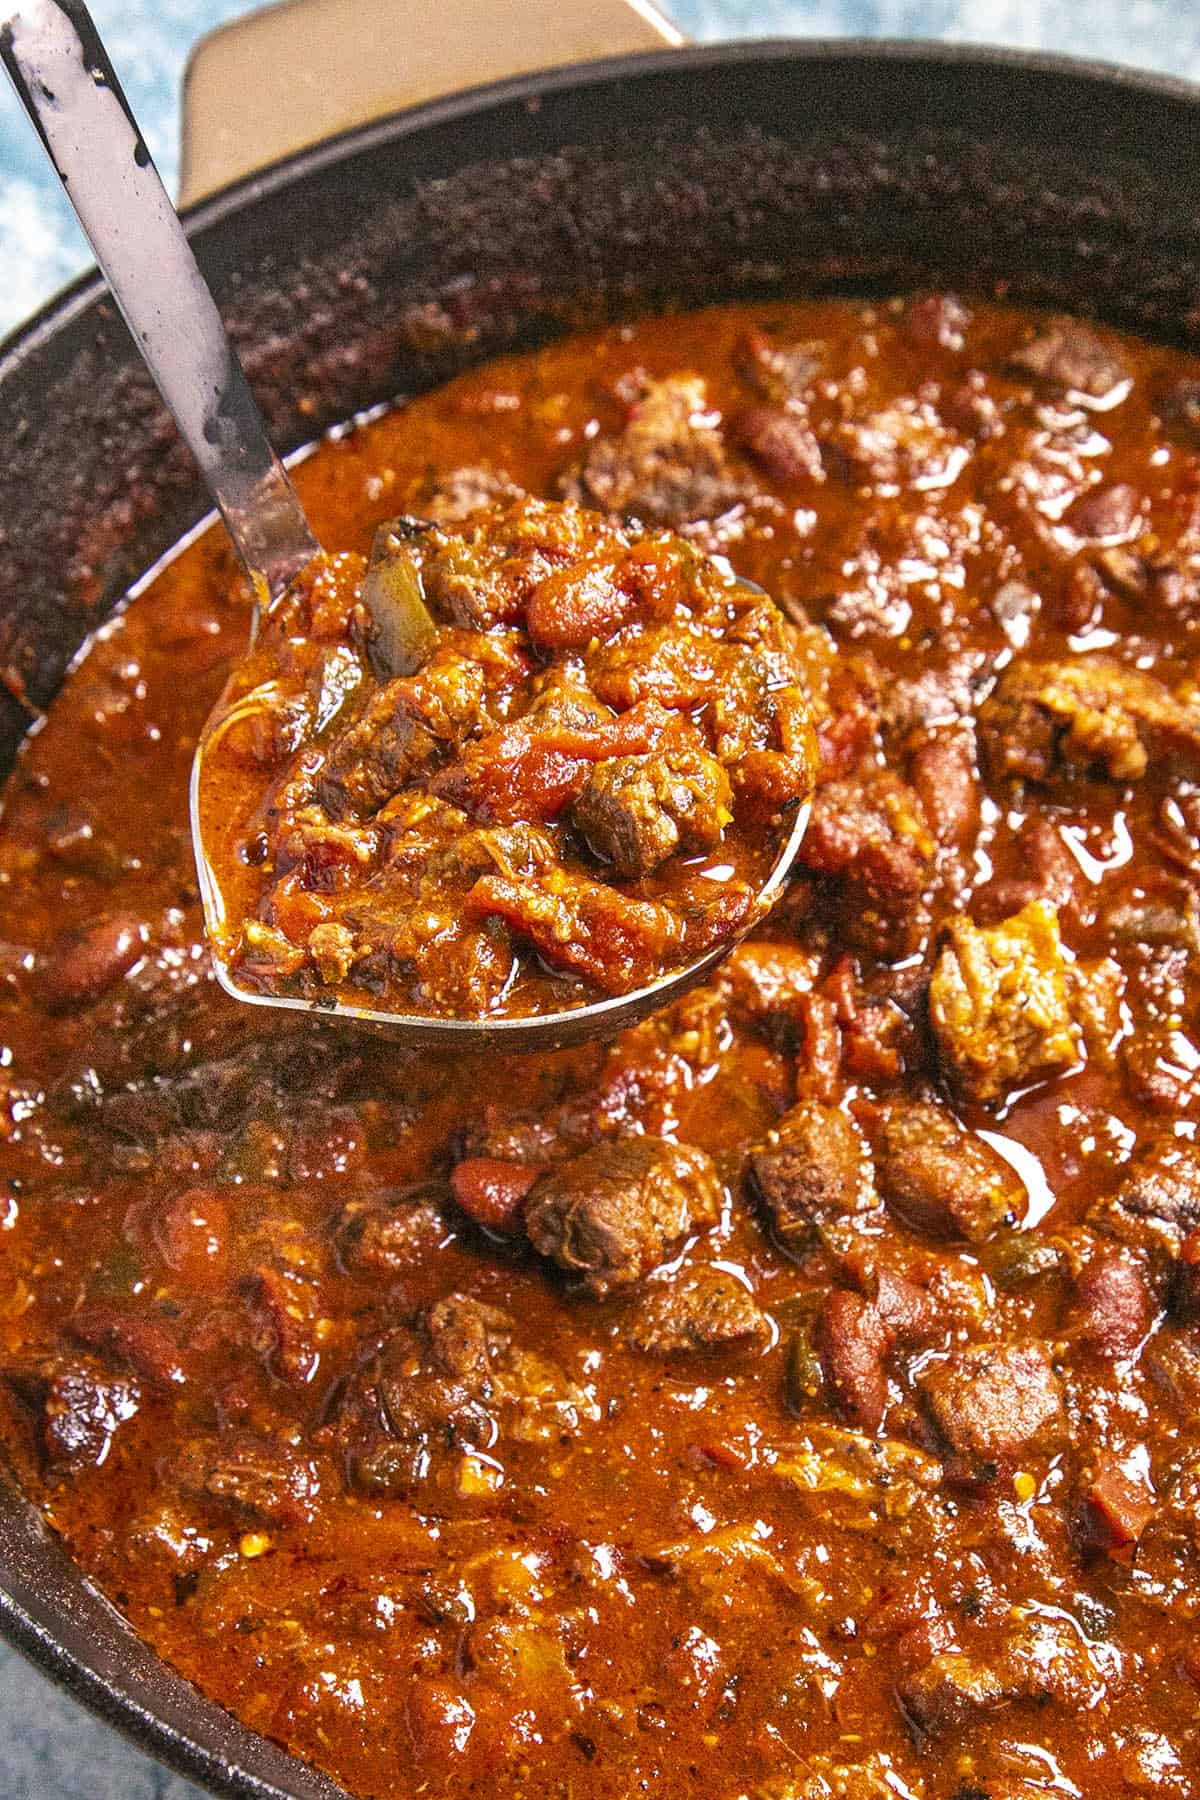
380, 263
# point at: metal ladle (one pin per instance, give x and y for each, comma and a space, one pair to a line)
67, 84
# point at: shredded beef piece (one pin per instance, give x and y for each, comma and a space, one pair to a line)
1069, 355
999, 1003
666, 466
635, 811
247, 1478
943, 1179
706, 1310
993, 1404
614, 1213
814, 1169
442, 1386
1091, 714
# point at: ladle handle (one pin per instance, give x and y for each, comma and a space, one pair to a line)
66, 83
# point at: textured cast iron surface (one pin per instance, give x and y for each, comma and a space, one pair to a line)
383, 262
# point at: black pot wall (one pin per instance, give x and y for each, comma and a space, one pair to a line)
379, 264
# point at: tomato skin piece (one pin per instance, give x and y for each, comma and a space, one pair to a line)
530, 770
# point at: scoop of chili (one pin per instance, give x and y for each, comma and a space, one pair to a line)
502, 768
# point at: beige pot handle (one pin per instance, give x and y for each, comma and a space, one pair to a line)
290, 74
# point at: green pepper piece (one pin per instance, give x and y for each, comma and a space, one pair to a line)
403, 633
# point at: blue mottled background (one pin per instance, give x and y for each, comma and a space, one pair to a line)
149, 40
49, 1749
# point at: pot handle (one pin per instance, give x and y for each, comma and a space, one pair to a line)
285, 76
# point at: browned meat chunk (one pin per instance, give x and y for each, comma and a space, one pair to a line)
1093, 714
635, 811
666, 466
1069, 355
281, 1307
1158, 1202
1174, 1361
79, 1407
814, 1169
1113, 1307
872, 835
1185, 1288
399, 734
910, 1315
1040, 1659
451, 497
915, 704
943, 1179
769, 982
951, 1691
614, 1213
999, 1003
442, 1387
905, 445
389, 1237
825, 1779
248, 1479
708, 1310
994, 1404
